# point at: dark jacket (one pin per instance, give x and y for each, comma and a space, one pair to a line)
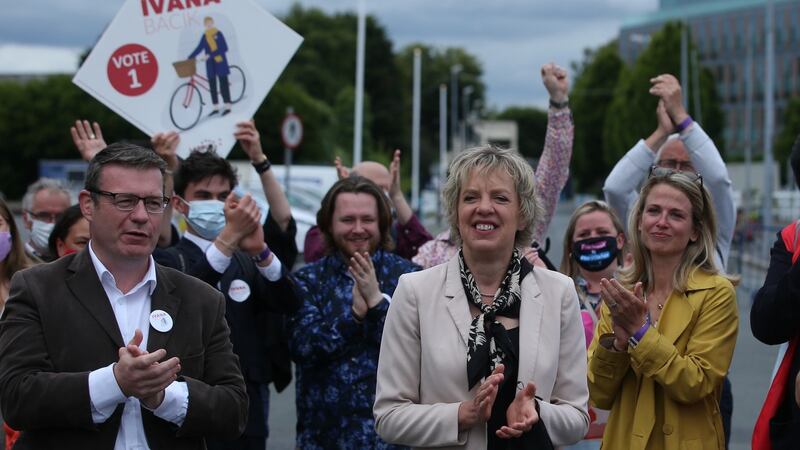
775, 319
59, 325
257, 325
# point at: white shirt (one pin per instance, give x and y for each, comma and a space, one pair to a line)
219, 262
132, 311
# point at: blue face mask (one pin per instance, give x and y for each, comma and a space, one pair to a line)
206, 217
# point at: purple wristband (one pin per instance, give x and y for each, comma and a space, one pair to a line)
685, 124
640, 334
263, 255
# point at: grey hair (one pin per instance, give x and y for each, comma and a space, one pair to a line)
669, 139
42, 184
126, 155
486, 159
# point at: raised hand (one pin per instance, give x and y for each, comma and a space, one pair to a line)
165, 145
668, 88
88, 139
394, 172
556, 81
341, 171
521, 414
250, 140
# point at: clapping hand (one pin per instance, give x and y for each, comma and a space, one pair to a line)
668, 88
363, 272
142, 375
521, 414
479, 409
628, 309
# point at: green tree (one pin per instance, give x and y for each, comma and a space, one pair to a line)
631, 115
592, 92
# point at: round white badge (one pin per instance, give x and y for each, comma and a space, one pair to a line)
160, 321
239, 291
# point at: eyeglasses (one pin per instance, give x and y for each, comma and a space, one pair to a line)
127, 202
44, 216
676, 164
663, 172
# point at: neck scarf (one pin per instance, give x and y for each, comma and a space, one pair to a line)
489, 344
211, 33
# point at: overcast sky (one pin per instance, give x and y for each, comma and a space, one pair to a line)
512, 38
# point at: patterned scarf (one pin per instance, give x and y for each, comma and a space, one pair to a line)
489, 344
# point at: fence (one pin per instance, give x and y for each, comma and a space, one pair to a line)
749, 258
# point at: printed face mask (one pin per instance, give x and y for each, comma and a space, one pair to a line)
207, 217
595, 254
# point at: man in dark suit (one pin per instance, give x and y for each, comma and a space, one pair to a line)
67, 378
226, 246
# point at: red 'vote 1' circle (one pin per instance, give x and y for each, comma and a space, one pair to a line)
132, 70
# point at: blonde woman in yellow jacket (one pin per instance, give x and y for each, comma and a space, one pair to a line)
668, 325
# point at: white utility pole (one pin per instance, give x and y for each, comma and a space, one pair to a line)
359, 113
415, 123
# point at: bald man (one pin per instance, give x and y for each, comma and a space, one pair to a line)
407, 231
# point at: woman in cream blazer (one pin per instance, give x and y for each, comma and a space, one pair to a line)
422, 368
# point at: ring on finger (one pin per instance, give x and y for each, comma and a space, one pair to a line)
91, 136
612, 305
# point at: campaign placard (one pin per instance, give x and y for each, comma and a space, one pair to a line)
193, 66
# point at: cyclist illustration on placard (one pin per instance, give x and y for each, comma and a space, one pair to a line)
186, 105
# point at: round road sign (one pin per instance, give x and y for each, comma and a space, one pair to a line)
292, 131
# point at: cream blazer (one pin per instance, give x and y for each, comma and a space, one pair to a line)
422, 369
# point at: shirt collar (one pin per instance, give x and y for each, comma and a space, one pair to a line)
198, 241
107, 277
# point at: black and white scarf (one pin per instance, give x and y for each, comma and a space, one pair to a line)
489, 344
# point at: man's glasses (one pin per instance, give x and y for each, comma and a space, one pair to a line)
44, 216
127, 202
676, 164
663, 172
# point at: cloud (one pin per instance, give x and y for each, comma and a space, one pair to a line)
512, 38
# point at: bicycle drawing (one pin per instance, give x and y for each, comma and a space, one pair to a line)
186, 104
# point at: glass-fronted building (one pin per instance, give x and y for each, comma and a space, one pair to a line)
725, 32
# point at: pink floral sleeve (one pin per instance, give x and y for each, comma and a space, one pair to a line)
553, 169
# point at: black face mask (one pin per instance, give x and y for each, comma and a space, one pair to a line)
595, 254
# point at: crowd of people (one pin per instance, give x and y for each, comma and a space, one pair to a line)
120, 331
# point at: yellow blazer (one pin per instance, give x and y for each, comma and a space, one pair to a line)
664, 394
422, 368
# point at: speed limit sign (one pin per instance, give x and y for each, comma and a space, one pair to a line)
292, 131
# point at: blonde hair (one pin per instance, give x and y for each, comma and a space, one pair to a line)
569, 266
698, 254
487, 159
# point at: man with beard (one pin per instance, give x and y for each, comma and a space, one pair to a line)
335, 337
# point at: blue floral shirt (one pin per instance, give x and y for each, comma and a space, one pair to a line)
336, 357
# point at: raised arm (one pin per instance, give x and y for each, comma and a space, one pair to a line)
705, 158
553, 169
250, 140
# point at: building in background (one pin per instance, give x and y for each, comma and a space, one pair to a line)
721, 31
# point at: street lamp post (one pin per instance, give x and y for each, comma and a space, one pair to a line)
454, 71
465, 94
